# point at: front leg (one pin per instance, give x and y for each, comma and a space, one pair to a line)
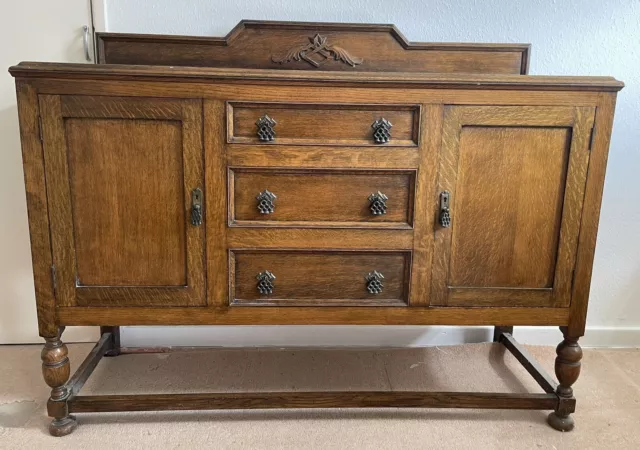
567, 369
56, 370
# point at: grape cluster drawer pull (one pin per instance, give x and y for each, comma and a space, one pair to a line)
266, 131
378, 203
265, 282
266, 202
381, 131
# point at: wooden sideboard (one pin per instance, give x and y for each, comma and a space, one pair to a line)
296, 173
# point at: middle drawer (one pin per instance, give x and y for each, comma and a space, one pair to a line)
321, 198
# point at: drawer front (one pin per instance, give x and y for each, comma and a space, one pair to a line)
313, 124
319, 278
321, 198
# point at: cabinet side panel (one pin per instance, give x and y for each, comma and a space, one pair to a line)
591, 213
34, 178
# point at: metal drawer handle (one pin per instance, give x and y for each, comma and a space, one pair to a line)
265, 282
378, 203
196, 207
266, 201
445, 215
374, 282
381, 131
265, 125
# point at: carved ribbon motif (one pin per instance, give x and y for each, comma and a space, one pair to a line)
318, 45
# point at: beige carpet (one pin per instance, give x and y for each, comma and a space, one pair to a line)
608, 395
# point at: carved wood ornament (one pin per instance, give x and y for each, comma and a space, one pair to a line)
318, 45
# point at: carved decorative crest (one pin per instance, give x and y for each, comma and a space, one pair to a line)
318, 45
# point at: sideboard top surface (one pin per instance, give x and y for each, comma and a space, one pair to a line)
248, 76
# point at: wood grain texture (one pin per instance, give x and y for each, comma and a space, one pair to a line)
94, 107
274, 238
58, 196
425, 202
37, 208
297, 77
321, 198
322, 124
289, 239
276, 400
499, 296
322, 157
258, 44
315, 92
508, 206
240, 87
293, 315
194, 177
216, 199
504, 116
319, 278
447, 173
572, 205
121, 193
591, 214
126, 182
515, 185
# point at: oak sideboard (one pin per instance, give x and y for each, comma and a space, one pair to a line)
309, 173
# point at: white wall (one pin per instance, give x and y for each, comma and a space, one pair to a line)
570, 37
30, 30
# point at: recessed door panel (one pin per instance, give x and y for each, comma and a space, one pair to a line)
515, 178
120, 177
508, 206
127, 201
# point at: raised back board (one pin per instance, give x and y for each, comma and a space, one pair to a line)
313, 46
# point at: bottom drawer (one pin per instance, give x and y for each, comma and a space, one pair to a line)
320, 278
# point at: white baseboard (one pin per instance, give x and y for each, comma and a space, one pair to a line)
360, 336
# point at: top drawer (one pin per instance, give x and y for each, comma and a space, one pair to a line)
323, 124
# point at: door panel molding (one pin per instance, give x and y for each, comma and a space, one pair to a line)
579, 121
190, 291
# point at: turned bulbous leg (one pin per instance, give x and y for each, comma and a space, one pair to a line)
567, 368
56, 370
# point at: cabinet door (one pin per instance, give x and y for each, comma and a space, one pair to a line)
120, 176
516, 178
